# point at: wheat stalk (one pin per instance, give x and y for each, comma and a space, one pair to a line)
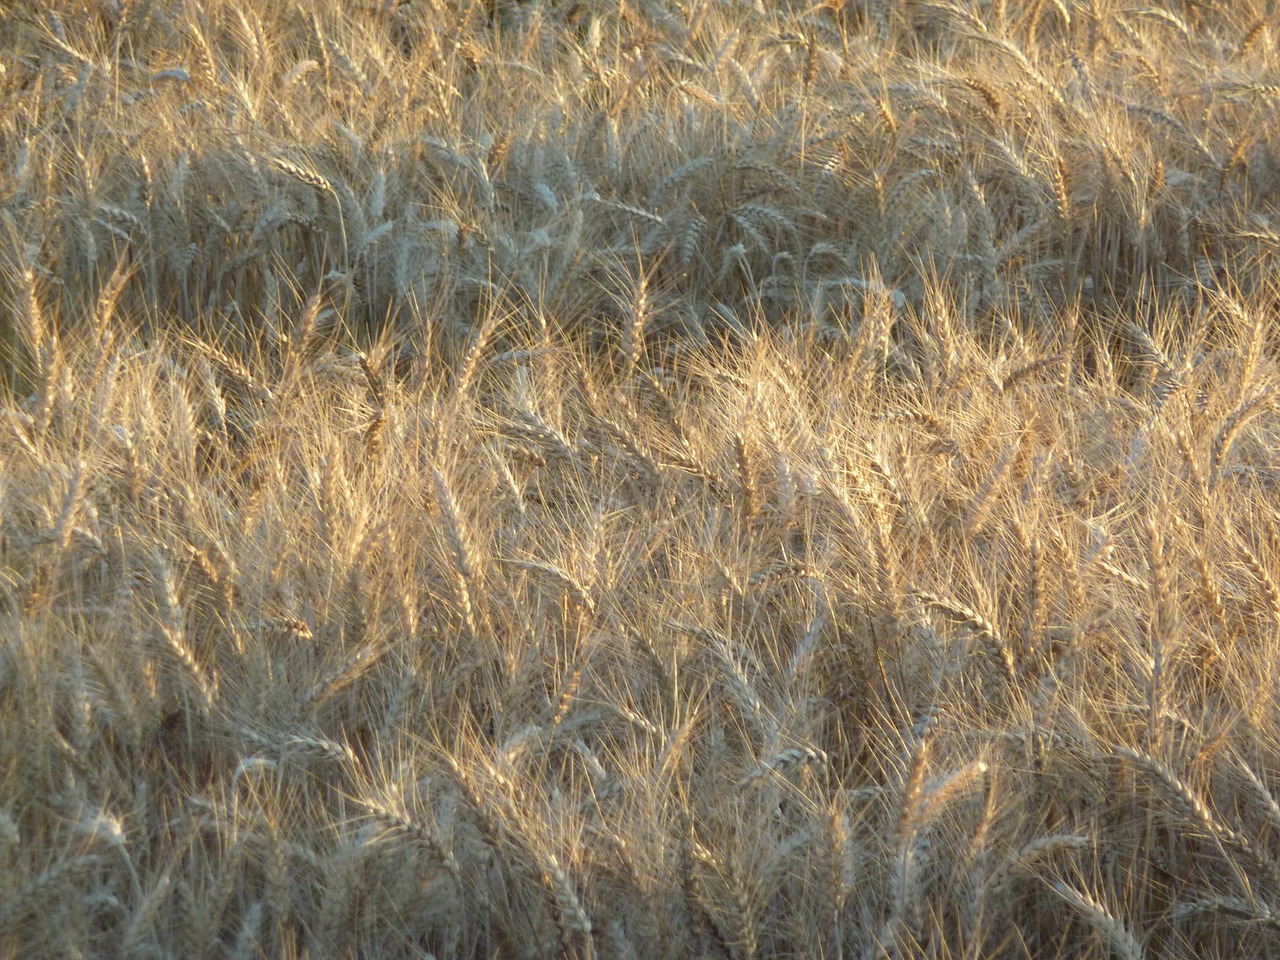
984, 628
1123, 943
461, 548
1233, 424
173, 629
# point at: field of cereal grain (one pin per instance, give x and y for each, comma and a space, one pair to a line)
639, 479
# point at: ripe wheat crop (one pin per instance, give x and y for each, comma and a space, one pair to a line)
638, 478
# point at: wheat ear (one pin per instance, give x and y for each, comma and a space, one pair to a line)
1123, 943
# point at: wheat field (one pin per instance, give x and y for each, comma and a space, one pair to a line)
639, 479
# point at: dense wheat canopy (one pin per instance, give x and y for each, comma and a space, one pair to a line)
639, 479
